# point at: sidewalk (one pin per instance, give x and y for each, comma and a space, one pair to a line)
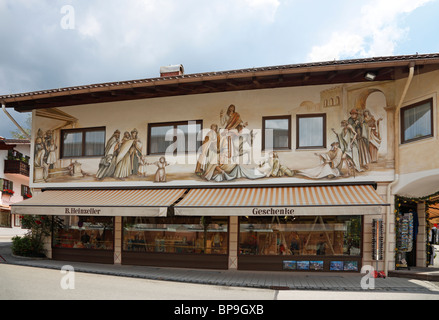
230, 278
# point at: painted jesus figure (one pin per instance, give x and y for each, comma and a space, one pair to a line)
233, 124
231, 119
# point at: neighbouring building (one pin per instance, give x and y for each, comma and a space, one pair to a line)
293, 167
14, 178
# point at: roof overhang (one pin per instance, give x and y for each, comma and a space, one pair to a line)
330, 72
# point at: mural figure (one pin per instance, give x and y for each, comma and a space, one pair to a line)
123, 160
372, 127
347, 140
135, 152
209, 151
233, 126
232, 119
107, 166
273, 168
44, 154
51, 153
228, 172
356, 122
142, 167
160, 175
332, 163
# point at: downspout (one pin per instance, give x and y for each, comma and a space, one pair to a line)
15, 122
396, 180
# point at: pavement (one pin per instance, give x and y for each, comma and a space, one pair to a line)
415, 280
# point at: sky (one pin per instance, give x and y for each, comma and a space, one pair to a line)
47, 44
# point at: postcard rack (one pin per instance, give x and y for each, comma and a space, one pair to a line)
404, 239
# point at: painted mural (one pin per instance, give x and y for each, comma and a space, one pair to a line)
225, 153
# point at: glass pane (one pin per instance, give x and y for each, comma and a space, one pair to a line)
187, 145
84, 232
158, 143
311, 132
176, 235
276, 133
322, 236
72, 144
94, 143
417, 122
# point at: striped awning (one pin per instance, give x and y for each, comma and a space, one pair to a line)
4, 207
148, 202
309, 200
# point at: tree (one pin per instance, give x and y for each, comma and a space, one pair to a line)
17, 134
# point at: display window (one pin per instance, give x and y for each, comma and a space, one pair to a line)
301, 236
81, 232
180, 235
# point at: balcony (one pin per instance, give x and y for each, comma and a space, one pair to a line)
17, 167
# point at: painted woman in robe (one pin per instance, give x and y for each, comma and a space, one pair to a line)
373, 128
123, 160
347, 140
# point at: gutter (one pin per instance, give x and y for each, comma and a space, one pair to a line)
396, 180
15, 122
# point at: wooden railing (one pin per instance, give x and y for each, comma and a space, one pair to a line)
17, 167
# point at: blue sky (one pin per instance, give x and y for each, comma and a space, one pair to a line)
56, 43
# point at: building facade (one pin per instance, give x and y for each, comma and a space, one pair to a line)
280, 168
14, 178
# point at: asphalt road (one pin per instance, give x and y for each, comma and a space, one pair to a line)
27, 283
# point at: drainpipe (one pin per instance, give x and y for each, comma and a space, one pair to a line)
396, 180
15, 122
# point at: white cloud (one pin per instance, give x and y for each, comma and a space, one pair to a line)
376, 31
90, 27
265, 8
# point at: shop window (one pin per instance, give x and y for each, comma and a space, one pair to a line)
174, 137
311, 131
417, 121
17, 220
194, 235
300, 236
80, 232
276, 133
88, 142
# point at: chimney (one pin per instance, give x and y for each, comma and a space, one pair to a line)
169, 71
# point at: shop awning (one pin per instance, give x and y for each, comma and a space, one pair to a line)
148, 202
4, 207
283, 201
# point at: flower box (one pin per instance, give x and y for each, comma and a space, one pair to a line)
8, 191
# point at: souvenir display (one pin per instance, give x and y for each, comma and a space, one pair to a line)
377, 240
404, 238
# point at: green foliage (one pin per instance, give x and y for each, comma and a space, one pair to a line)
27, 246
32, 244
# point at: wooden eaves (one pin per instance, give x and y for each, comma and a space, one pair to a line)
307, 74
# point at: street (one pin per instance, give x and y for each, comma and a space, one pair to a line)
26, 283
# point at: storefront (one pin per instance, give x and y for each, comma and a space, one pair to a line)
304, 243
310, 228
5, 216
87, 222
83, 238
417, 240
194, 242
307, 228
